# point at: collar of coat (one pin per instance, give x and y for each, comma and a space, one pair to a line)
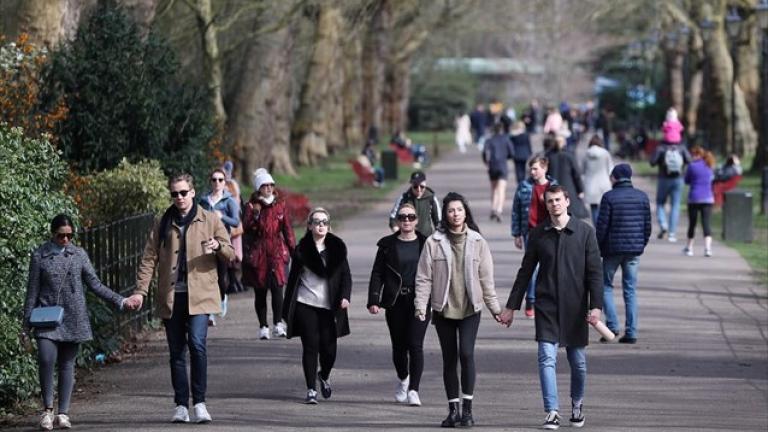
625, 182
570, 226
389, 241
51, 248
336, 254
472, 235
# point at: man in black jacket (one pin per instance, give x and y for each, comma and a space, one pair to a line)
569, 294
623, 229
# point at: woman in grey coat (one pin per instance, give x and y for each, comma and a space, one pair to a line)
57, 272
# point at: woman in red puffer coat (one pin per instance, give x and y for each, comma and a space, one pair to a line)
269, 242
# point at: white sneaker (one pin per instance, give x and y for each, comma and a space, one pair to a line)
201, 413
224, 306
413, 398
401, 391
264, 333
62, 420
707, 252
211, 321
279, 330
180, 414
688, 251
46, 420
672, 238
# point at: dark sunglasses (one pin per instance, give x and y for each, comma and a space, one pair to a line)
406, 217
218, 179
62, 236
419, 186
183, 193
320, 222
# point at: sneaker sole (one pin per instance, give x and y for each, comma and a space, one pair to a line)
203, 421
311, 402
577, 424
551, 427
180, 421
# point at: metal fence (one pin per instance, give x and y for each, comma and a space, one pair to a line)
115, 250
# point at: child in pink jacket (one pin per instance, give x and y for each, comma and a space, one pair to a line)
672, 127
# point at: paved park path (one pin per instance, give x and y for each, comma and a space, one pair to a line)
701, 362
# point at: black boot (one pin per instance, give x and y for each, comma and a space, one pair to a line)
453, 415
466, 413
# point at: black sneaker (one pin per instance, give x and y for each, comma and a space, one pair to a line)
661, 235
627, 340
552, 422
325, 386
311, 398
577, 417
604, 340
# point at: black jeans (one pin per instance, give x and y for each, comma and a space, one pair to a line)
407, 334
706, 213
463, 352
260, 301
317, 328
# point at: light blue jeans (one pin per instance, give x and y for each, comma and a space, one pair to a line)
671, 188
629, 265
577, 359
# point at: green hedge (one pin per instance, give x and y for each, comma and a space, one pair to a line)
32, 176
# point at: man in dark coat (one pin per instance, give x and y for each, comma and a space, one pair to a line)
623, 229
569, 295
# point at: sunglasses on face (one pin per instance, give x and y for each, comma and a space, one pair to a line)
320, 222
183, 193
62, 236
406, 217
217, 179
419, 187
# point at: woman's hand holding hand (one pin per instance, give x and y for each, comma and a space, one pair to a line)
344, 303
373, 309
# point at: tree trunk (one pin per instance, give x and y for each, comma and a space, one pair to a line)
259, 128
374, 49
748, 54
675, 63
143, 12
48, 22
211, 60
317, 128
352, 93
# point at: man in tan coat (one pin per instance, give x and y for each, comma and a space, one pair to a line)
184, 246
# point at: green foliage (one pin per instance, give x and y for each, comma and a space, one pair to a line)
31, 178
437, 98
126, 190
126, 100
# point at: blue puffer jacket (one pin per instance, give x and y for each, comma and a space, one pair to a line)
624, 223
521, 205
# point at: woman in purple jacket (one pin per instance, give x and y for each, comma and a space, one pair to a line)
698, 177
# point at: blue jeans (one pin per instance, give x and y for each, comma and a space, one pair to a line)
629, 264
671, 188
577, 359
530, 293
183, 330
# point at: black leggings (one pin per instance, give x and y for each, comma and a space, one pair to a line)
317, 328
407, 334
464, 352
706, 213
260, 301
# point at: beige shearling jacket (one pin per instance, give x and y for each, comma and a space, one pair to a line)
434, 272
202, 279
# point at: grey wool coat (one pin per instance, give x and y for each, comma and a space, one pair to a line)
59, 279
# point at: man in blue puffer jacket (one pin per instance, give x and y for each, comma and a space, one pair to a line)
623, 229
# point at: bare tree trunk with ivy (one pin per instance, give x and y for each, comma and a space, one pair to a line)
375, 45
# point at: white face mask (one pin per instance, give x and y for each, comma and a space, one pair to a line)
267, 200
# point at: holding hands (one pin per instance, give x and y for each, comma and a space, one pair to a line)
506, 317
373, 309
344, 303
134, 302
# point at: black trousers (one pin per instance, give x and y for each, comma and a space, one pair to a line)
462, 351
706, 214
260, 301
318, 339
407, 334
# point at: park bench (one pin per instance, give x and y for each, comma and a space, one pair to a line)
364, 175
720, 188
404, 154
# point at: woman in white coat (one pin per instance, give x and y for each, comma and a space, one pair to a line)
463, 133
597, 171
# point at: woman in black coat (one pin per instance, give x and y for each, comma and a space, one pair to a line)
563, 168
521, 144
316, 300
392, 286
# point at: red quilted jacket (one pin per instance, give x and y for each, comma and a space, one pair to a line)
268, 240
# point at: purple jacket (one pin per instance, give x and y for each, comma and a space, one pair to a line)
699, 177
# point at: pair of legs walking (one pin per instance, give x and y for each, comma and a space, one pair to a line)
668, 188
317, 328
51, 356
498, 195
461, 350
260, 304
629, 265
577, 359
407, 334
706, 213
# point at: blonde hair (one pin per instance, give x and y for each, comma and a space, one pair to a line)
406, 205
318, 210
671, 114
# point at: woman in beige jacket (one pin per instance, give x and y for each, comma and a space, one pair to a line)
456, 272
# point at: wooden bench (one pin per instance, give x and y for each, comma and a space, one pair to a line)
720, 188
364, 175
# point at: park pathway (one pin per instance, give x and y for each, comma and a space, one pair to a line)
701, 362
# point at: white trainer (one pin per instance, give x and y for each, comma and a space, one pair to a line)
413, 398
180, 414
264, 333
46, 420
201, 413
401, 391
279, 330
62, 420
